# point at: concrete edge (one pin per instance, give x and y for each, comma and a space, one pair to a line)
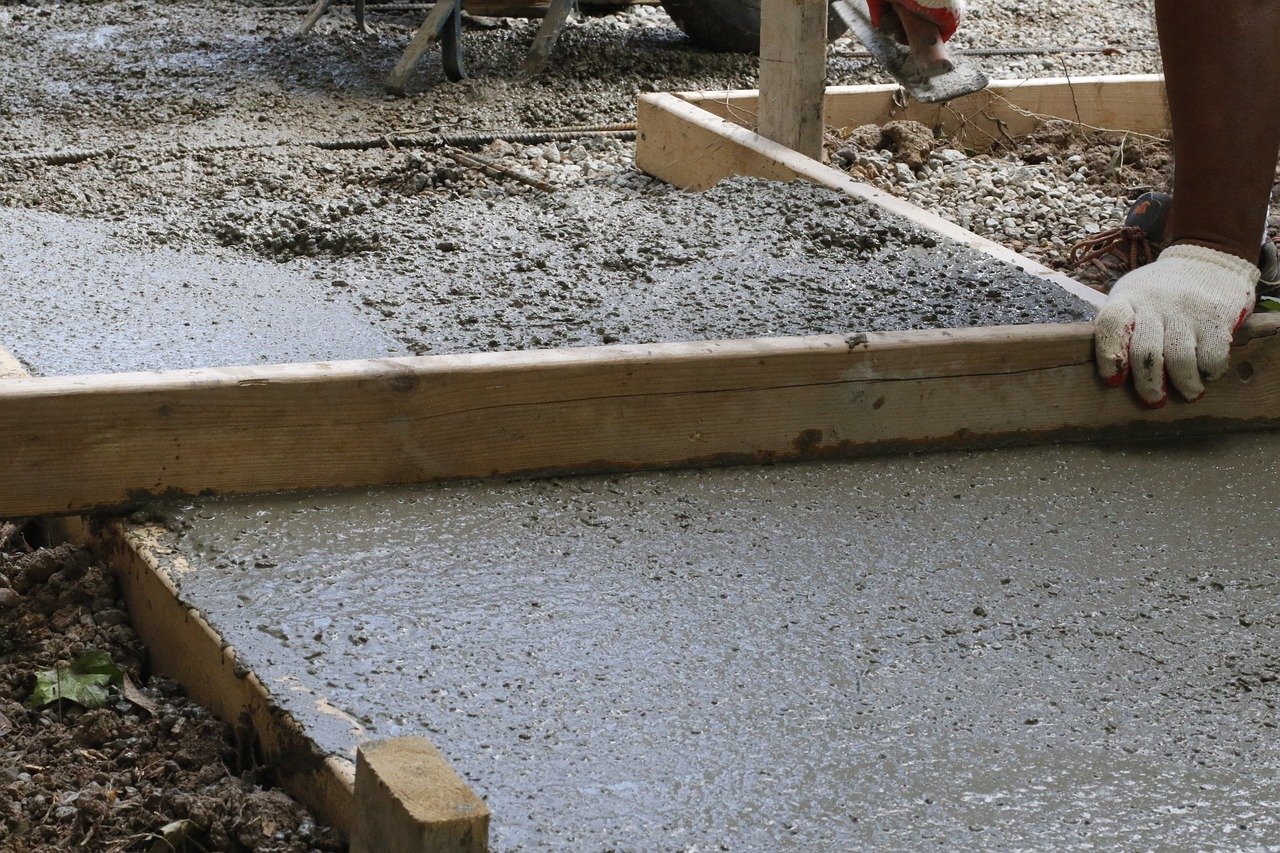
185, 647
1111, 93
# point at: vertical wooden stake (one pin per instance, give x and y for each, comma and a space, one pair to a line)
793, 73
409, 800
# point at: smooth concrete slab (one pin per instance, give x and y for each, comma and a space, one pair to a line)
1042, 649
74, 298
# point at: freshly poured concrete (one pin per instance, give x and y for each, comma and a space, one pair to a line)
586, 266
1040, 648
75, 298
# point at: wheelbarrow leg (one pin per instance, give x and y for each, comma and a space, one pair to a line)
435, 23
545, 41
313, 16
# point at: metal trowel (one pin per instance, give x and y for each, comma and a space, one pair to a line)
963, 79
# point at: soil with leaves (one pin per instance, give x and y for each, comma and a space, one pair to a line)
95, 752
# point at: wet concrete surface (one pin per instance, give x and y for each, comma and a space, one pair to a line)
748, 258
585, 267
74, 298
1036, 649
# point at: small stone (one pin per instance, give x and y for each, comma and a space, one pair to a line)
8, 598
113, 616
911, 141
904, 173
551, 153
950, 155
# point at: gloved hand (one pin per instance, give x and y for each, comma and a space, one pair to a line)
1174, 318
945, 14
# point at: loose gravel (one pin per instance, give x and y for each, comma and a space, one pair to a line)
1039, 195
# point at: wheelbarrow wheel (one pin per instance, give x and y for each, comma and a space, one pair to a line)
729, 26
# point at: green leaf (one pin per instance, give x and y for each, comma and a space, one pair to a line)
85, 682
1267, 304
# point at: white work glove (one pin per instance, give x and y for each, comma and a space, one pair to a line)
1174, 317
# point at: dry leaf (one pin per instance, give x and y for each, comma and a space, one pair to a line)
130, 691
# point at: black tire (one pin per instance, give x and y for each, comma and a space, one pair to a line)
730, 26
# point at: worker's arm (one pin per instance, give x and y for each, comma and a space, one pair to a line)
1175, 318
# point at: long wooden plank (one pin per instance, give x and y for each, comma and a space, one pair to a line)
184, 647
82, 442
687, 146
1133, 103
793, 73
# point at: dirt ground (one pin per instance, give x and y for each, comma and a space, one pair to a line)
1040, 194
1062, 183
114, 777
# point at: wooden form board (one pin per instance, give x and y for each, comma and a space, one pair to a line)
1133, 103
82, 442
183, 646
695, 139
687, 146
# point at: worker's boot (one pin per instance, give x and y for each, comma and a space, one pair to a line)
1140, 239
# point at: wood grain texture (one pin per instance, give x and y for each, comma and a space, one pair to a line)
793, 73
410, 800
689, 147
84, 442
1130, 102
184, 647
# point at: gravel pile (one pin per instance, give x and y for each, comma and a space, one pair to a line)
133, 74
1039, 196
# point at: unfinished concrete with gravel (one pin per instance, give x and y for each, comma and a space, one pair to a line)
127, 75
1033, 649
586, 266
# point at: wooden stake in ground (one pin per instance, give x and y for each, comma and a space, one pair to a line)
793, 71
410, 800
